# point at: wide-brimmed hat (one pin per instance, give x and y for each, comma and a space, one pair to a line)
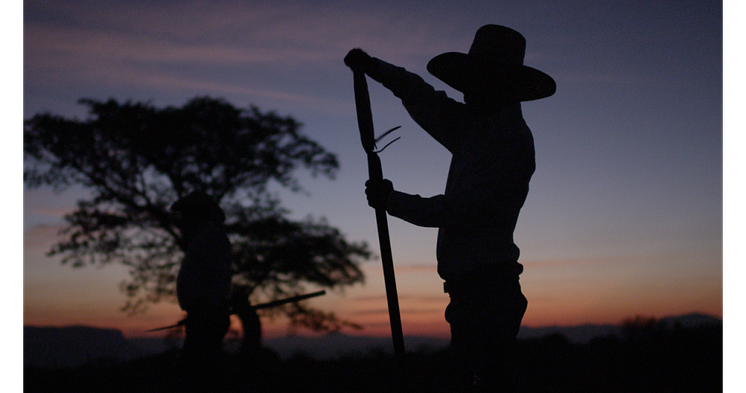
496, 54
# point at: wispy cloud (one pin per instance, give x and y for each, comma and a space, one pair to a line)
215, 33
257, 50
40, 237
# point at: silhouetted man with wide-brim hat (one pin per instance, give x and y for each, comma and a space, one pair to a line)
492, 162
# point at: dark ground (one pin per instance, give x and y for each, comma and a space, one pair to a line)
646, 358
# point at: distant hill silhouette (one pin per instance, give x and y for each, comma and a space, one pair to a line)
582, 334
54, 347
73, 346
680, 354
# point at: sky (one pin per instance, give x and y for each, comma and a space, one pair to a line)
625, 212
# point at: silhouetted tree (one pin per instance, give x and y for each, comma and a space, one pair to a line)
642, 328
136, 160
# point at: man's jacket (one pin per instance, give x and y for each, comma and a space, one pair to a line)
492, 163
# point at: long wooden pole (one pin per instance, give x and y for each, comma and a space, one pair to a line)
375, 172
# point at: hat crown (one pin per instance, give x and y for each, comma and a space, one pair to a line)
500, 44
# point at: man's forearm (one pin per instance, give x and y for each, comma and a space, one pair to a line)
425, 212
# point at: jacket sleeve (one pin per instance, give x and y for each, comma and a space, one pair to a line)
439, 115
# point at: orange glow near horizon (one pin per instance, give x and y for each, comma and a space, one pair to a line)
553, 300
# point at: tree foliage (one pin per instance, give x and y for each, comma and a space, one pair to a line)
136, 160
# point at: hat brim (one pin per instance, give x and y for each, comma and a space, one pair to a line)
459, 69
